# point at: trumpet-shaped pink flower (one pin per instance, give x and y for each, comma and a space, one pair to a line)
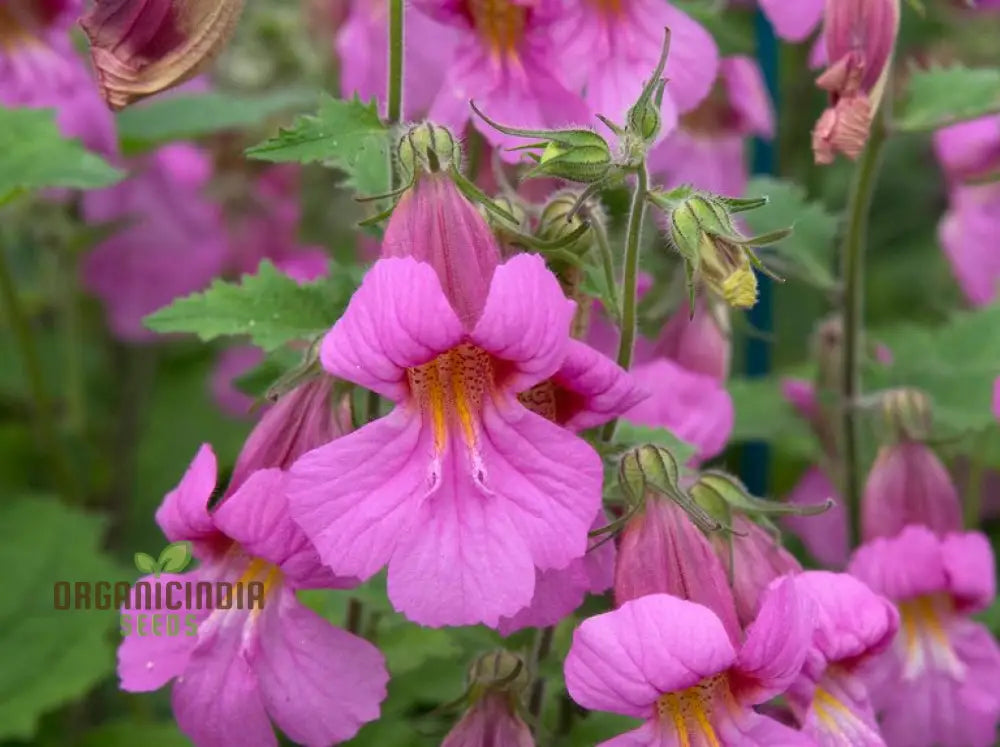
505, 59
490, 721
609, 48
699, 342
937, 685
969, 149
707, 150
968, 235
670, 662
274, 660
793, 20
853, 626
363, 47
39, 68
461, 490
173, 241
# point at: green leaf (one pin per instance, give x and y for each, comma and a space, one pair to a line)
807, 254
345, 134
145, 563
50, 656
34, 155
175, 557
942, 96
189, 116
270, 308
956, 363
762, 414
261, 377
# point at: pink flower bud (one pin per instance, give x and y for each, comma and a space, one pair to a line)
908, 484
300, 421
491, 720
698, 342
434, 223
662, 552
757, 559
859, 37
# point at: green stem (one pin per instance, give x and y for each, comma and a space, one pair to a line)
853, 259
76, 396
608, 264
395, 96
33, 372
633, 234
542, 647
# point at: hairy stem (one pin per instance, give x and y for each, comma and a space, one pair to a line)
394, 104
608, 265
633, 234
853, 277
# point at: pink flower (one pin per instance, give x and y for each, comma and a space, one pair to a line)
231, 365
859, 37
793, 20
609, 48
559, 593
670, 662
505, 59
275, 661
461, 490
40, 69
825, 534
699, 342
752, 559
491, 721
937, 685
693, 406
363, 47
853, 626
908, 484
173, 241
662, 552
707, 149
968, 235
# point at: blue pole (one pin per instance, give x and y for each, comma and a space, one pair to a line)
756, 455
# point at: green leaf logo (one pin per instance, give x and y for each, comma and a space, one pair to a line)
145, 563
175, 557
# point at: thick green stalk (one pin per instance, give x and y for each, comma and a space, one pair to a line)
33, 372
395, 96
853, 276
633, 236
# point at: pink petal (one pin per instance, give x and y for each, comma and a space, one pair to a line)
355, 497
397, 319
916, 562
319, 683
623, 660
748, 95
526, 322
594, 388
844, 715
793, 20
217, 701
463, 561
851, 620
801, 394
937, 707
969, 148
824, 535
183, 515
752, 729
695, 407
149, 661
967, 235
257, 517
776, 643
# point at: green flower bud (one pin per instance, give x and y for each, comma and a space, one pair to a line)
644, 118
907, 414
560, 220
653, 469
427, 147
498, 671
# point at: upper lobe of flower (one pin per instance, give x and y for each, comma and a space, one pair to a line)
461, 490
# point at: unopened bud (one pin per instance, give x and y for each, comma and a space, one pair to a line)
499, 670
561, 220
651, 468
644, 117
907, 414
575, 155
496, 681
427, 148
508, 230
713, 249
